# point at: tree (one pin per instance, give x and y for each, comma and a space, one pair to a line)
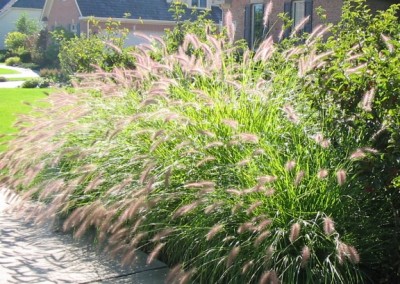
15, 41
26, 25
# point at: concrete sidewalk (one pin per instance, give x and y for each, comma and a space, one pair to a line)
30, 254
11, 84
23, 73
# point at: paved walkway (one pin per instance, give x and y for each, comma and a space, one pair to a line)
23, 73
30, 254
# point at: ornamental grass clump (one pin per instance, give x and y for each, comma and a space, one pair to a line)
175, 159
204, 158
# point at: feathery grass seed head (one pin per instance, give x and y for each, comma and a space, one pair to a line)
341, 177
322, 173
299, 177
305, 256
214, 230
155, 252
358, 154
232, 256
353, 255
246, 267
261, 237
294, 232
329, 226
290, 165
269, 277
247, 138
262, 180
231, 123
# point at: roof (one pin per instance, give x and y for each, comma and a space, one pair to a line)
33, 4
138, 9
3, 3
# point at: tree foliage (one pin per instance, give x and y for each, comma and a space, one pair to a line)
26, 25
104, 49
15, 41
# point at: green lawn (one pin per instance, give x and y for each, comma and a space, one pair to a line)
11, 104
20, 79
5, 71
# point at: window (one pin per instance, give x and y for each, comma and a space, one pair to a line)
254, 25
298, 11
199, 3
72, 28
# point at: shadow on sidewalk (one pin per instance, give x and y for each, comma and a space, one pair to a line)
42, 254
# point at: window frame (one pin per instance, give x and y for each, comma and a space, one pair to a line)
294, 12
251, 25
207, 6
308, 11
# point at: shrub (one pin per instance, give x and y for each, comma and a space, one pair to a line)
12, 61
3, 79
81, 54
356, 91
54, 75
15, 40
46, 48
36, 83
25, 56
32, 66
103, 49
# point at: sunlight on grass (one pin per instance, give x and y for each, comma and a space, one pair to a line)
11, 104
19, 79
5, 71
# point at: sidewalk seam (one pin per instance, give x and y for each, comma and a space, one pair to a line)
124, 275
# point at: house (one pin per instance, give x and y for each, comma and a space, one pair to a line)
11, 10
248, 15
150, 17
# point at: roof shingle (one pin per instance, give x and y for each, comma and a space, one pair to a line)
138, 9
34, 4
3, 3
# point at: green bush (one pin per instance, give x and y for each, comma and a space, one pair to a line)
12, 61
32, 66
233, 166
101, 50
15, 41
46, 47
356, 90
54, 75
3, 79
25, 56
36, 83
